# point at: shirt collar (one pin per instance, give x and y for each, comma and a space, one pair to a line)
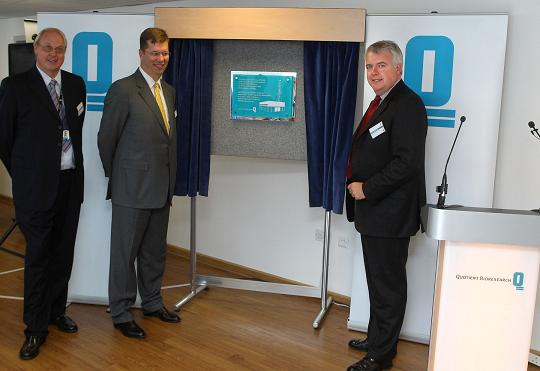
388, 91
48, 79
149, 80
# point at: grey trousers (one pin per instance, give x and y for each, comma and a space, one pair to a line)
141, 235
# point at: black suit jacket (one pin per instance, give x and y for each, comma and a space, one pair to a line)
31, 136
391, 165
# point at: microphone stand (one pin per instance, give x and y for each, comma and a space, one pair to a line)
442, 190
534, 132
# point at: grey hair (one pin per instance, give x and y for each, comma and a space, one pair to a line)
51, 30
389, 46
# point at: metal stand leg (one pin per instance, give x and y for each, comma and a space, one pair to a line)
326, 301
5, 236
196, 287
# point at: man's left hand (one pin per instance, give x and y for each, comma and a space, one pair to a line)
356, 189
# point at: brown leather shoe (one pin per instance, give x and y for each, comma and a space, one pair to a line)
164, 315
30, 347
65, 324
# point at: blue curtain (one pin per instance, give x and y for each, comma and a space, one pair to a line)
330, 83
190, 72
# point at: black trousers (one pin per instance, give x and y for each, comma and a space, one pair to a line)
50, 239
385, 260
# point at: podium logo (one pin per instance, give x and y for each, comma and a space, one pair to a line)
92, 60
517, 280
429, 65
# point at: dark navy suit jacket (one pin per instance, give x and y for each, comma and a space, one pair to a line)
391, 165
31, 136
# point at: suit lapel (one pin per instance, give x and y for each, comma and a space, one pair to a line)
382, 107
69, 104
40, 89
148, 97
169, 98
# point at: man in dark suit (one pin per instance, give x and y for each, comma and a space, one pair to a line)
137, 145
41, 119
386, 190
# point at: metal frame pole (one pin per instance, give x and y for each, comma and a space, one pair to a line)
326, 301
201, 282
195, 286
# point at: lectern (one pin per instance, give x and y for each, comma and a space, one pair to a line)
485, 290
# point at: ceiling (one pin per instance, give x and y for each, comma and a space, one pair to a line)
29, 8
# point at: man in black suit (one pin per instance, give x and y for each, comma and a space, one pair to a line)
41, 119
137, 145
386, 190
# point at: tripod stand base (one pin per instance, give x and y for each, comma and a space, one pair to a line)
194, 292
322, 313
5, 237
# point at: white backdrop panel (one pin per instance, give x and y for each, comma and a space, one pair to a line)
90, 276
476, 90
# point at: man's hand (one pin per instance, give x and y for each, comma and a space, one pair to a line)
356, 189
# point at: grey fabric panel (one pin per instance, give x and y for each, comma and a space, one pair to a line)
247, 138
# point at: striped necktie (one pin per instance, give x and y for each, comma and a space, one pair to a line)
60, 108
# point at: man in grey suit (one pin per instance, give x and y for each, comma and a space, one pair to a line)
137, 145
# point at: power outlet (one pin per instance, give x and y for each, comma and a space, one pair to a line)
319, 235
534, 359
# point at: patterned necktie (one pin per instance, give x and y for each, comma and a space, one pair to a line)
58, 104
159, 102
361, 128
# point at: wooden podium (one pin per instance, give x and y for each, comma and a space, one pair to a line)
485, 290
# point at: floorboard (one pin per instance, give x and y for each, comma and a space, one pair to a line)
221, 329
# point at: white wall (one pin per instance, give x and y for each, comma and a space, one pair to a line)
237, 232
8, 28
257, 213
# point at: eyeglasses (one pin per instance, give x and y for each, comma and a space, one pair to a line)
49, 49
157, 54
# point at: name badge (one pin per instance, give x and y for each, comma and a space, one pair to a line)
376, 130
65, 135
80, 108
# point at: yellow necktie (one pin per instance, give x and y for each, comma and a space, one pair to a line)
159, 102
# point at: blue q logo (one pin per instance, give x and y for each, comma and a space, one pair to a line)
429, 62
518, 279
92, 59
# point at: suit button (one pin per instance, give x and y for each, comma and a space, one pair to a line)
59, 144
59, 127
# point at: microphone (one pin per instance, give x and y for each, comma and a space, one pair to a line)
443, 188
534, 130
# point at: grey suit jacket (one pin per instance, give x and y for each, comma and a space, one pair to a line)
138, 156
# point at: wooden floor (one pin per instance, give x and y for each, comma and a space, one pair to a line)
221, 329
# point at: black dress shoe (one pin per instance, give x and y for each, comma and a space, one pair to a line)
359, 344
130, 329
30, 347
65, 324
370, 364
164, 315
